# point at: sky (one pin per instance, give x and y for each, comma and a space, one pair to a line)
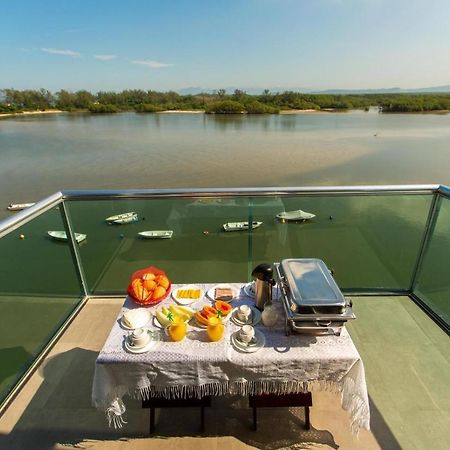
163, 45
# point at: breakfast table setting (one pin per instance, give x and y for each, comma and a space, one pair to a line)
211, 340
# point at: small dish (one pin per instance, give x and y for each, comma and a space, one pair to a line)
187, 301
249, 289
141, 317
255, 317
212, 292
258, 342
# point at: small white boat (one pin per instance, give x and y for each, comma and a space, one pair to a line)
295, 215
156, 234
19, 206
124, 218
62, 236
240, 226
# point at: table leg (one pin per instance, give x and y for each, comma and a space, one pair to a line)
255, 423
152, 420
307, 422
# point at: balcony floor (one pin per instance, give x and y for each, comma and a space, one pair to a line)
407, 361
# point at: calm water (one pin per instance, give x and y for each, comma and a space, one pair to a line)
43, 154
370, 242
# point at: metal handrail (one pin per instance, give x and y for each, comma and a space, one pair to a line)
22, 217
108, 194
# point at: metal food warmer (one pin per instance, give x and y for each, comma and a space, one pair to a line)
311, 299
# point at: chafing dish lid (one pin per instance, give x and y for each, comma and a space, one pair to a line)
310, 283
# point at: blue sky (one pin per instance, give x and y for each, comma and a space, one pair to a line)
161, 45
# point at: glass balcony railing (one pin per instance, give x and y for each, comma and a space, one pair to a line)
433, 281
380, 240
38, 290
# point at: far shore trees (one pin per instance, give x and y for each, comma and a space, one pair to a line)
139, 100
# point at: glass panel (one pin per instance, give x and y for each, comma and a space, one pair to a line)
38, 290
433, 285
369, 241
199, 250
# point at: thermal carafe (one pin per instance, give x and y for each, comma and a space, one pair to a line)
263, 275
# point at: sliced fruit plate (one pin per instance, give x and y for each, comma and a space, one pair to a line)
164, 316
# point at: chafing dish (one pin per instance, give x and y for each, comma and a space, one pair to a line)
311, 299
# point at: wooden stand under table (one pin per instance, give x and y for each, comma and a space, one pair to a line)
287, 400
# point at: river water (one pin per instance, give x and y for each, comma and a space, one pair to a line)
40, 155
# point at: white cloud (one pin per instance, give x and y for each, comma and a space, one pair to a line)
105, 57
55, 51
152, 64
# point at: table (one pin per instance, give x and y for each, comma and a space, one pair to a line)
196, 367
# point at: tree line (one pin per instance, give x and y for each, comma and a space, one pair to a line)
12, 100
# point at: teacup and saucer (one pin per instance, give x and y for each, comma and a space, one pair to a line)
246, 334
138, 341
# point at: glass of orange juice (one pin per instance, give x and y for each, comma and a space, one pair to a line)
215, 329
177, 329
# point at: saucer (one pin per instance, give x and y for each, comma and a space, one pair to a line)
255, 344
255, 317
152, 339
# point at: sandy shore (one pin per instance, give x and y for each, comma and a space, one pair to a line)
30, 113
183, 111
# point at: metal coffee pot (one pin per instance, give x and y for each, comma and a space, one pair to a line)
263, 275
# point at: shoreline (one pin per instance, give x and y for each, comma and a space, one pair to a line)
32, 113
285, 112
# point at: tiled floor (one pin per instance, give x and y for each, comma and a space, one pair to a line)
407, 364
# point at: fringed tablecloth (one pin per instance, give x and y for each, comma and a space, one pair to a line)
197, 367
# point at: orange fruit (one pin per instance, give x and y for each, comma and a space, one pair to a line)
148, 276
158, 293
162, 281
150, 285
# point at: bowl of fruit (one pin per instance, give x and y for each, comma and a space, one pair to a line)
149, 286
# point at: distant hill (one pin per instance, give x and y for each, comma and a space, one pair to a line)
274, 89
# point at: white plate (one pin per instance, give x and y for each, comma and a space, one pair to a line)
225, 320
212, 292
249, 289
146, 316
152, 341
187, 301
158, 325
239, 345
255, 317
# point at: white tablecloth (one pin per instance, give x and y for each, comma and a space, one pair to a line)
197, 367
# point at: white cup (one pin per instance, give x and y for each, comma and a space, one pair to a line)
139, 337
246, 334
243, 313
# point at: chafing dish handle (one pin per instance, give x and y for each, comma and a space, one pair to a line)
325, 327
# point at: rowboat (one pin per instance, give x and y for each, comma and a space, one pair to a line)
156, 234
124, 218
295, 215
62, 236
240, 226
19, 206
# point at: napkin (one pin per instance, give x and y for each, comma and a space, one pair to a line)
135, 318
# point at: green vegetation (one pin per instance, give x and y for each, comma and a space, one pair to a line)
12, 100
147, 108
225, 107
99, 108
